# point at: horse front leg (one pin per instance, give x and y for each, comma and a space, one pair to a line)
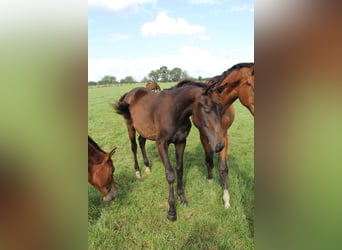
179, 169
142, 142
224, 170
209, 154
170, 177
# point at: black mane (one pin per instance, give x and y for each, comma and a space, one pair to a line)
187, 82
94, 144
217, 79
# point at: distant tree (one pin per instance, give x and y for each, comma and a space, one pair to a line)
128, 79
175, 75
154, 75
200, 78
107, 80
184, 75
163, 74
92, 83
145, 79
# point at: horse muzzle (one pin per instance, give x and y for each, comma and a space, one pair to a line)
111, 194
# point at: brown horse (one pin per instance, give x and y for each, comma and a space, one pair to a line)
236, 82
153, 86
100, 170
164, 118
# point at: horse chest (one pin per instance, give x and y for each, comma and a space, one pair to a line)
181, 132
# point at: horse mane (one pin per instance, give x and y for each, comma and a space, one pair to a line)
218, 79
94, 144
188, 82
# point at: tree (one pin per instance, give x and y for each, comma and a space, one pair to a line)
163, 74
154, 75
107, 80
145, 79
92, 83
175, 75
184, 74
128, 79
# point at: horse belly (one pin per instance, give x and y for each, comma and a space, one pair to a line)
143, 123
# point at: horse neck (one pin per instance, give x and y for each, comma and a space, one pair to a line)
185, 99
94, 155
231, 92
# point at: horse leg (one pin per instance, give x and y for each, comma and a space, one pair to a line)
131, 134
209, 154
224, 170
179, 169
142, 142
170, 177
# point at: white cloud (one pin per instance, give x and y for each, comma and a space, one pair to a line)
119, 5
165, 25
196, 61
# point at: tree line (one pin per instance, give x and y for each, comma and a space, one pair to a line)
163, 74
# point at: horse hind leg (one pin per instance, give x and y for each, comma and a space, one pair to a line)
131, 134
142, 142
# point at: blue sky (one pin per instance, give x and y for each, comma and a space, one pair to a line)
133, 37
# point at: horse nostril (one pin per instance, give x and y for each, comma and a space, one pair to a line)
219, 147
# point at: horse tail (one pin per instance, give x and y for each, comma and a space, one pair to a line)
122, 107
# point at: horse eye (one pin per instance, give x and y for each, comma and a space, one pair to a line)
206, 110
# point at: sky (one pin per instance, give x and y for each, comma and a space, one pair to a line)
134, 37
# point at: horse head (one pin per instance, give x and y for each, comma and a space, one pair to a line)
237, 82
206, 115
101, 170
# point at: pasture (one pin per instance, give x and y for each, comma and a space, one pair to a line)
136, 219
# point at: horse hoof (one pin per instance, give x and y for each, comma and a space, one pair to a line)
227, 206
172, 217
147, 170
137, 175
185, 204
210, 181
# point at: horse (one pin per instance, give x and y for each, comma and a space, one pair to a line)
101, 170
164, 118
235, 83
153, 86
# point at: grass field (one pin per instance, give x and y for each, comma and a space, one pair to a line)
136, 219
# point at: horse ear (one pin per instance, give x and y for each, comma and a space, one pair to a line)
209, 89
112, 152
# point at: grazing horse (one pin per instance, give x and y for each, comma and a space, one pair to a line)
153, 86
100, 170
164, 118
236, 82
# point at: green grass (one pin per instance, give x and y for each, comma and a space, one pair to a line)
136, 219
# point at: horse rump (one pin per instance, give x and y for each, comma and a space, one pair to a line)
122, 107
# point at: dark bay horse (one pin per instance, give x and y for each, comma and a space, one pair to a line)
235, 83
153, 86
164, 118
100, 170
